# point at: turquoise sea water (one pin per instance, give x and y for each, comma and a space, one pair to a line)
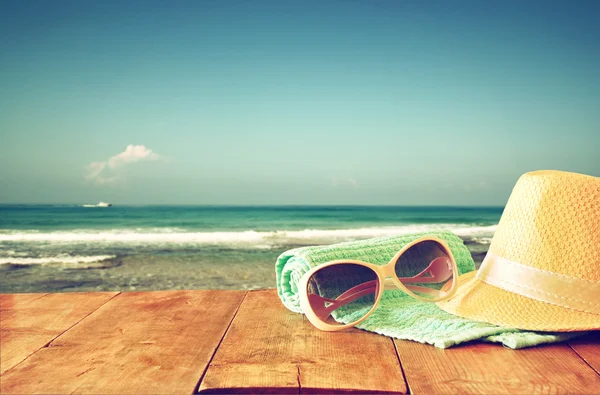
73, 248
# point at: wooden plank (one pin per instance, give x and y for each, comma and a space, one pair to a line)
17, 301
588, 348
270, 349
139, 342
492, 369
28, 322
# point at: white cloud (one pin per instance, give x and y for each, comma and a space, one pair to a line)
132, 154
106, 172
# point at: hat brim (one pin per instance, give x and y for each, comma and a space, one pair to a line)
480, 301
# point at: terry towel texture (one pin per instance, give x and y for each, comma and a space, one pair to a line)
399, 315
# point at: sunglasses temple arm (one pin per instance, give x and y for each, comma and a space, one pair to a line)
356, 292
424, 290
389, 285
439, 270
349, 296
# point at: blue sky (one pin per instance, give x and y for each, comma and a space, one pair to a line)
283, 102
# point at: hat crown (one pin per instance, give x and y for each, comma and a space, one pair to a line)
552, 222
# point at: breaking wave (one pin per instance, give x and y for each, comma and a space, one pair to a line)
247, 237
65, 259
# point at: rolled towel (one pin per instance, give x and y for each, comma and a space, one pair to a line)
399, 315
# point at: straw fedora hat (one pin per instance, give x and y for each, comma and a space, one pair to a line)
542, 270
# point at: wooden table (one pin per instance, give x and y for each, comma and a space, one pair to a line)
247, 342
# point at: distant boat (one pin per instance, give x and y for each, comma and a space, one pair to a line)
100, 204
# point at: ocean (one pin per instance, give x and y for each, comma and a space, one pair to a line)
62, 248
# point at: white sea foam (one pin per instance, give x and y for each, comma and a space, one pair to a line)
248, 237
482, 240
476, 231
62, 258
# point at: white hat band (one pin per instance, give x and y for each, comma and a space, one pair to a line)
566, 291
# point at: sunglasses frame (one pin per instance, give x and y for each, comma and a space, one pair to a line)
386, 277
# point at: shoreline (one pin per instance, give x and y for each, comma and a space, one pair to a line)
191, 269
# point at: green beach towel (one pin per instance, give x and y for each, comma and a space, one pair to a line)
399, 315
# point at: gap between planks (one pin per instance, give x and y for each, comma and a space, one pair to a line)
271, 349
66, 330
588, 349
490, 368
218, 345
30, 322
140, 342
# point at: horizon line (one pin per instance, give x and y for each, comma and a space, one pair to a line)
260, 205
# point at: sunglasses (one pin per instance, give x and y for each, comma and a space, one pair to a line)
342, 293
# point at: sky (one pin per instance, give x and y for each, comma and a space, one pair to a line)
294, 102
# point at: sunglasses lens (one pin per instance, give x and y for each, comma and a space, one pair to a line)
426, 270
342, 294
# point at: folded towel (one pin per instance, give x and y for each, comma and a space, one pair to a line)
399, 315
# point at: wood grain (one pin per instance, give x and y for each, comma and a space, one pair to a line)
153, 343
491, 369
588, 348
270, 349
18, 301
161, 342
28, 322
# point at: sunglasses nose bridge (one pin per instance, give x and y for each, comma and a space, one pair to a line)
388, 271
